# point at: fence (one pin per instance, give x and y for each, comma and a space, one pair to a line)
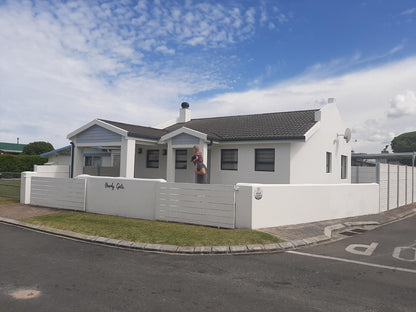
10, 188
228, 206
58, 193
397, 183
202, 204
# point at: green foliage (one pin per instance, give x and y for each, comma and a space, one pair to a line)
37, 148
20, 163
405, 142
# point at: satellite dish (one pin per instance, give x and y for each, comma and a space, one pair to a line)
347, 135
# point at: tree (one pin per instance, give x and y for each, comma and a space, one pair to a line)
405, 142
37, 148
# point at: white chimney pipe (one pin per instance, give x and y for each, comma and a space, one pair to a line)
184, 113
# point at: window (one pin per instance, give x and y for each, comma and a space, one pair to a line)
344, 166
94, 161
229, 159
264, 159
328, 162
152, 160
181, 159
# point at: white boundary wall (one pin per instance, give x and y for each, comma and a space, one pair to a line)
293, 204
242, 206
397, 183
133, 198
52, 171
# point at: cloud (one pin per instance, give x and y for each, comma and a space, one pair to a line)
403, 104
363, 98
66, 63
408, 11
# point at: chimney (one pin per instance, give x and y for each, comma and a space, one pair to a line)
184, 113
331, 100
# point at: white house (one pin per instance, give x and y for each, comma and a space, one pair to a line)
297, 147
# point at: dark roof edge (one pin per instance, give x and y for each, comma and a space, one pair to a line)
244, 115
139, 136
293, 138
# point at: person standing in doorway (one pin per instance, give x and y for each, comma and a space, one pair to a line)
200, 168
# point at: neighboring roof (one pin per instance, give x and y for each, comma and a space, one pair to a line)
269, 126
55, 151
138, 131
11, 147
408, 155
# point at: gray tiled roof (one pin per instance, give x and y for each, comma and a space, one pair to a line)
269, 126
138, 131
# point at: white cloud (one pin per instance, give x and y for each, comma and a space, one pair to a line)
403, 104
408, 11
363, 98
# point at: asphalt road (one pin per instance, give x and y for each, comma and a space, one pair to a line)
57, 274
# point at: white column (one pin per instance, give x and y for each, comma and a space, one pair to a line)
127, 158
78, 160
203, 148
26, 186
170, 163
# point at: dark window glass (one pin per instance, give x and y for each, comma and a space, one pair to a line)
229, 159
264, 159
94, 161
344, 165
181, 159
328, 162
152, 159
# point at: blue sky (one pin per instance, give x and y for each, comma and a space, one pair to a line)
65, 63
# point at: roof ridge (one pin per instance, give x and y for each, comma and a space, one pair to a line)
260, 114
128, 124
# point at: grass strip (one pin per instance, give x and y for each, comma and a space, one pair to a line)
155, 232
6, 200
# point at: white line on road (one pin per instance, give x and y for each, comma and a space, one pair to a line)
353, 261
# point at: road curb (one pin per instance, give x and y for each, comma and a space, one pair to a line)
173, 249
208, 250
329, 230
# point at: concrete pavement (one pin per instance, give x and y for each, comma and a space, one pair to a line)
295, 236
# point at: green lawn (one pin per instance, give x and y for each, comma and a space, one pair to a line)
150, 231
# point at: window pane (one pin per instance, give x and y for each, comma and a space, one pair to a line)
181, 159
229, 159
264, 159
344, 166
152, 159
328, 162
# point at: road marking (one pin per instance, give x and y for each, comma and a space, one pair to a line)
25, 293
398, 250
367, 250
353, 261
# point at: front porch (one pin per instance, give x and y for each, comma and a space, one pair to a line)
132, 157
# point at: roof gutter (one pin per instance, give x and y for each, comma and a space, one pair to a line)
72, 160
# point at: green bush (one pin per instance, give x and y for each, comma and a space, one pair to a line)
20, 163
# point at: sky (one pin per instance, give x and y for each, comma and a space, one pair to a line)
66, 63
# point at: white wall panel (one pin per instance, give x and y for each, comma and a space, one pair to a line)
58, 193
196, 204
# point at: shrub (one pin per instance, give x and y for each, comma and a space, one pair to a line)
20, 163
